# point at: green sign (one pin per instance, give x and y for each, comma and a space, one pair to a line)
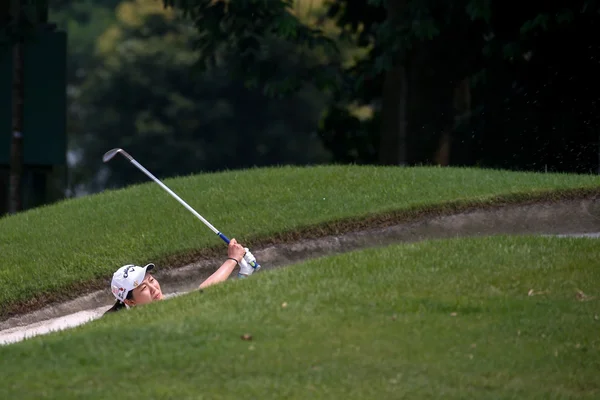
45, 100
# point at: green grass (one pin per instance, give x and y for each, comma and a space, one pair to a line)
364, 325
79, 243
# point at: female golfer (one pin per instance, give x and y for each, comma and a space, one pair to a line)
133, 285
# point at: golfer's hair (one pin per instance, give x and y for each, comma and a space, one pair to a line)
119, 304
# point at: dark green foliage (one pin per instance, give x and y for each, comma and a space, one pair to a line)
538, 94
534, 98
248, 30
504, 48
133, 84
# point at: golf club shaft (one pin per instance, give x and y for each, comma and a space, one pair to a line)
183, 203
243, 262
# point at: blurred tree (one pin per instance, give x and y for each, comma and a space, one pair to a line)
538, 94
248, 31
420, 87
489, 82
143, 95
414, 102
84, 21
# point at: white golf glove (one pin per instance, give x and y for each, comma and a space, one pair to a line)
250, 259
246, 262
245, 269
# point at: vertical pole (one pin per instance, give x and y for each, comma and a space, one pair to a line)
15, 201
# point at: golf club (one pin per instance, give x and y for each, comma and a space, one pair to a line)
109, 155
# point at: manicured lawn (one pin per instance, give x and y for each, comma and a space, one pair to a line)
494, 318
48, 251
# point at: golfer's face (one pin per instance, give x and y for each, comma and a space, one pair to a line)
148, 291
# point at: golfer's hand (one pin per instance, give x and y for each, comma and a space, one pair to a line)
235, 250
249, 257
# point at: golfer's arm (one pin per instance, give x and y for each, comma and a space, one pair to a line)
220, 275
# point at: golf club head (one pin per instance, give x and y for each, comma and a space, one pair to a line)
111, 153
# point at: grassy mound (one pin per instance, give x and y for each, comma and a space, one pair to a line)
501, 317
64, 249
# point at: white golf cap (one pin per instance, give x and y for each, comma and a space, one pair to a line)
127, 278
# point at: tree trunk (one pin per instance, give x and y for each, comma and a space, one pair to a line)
15, 202
394, 124
442, 155
462, 112
392, 150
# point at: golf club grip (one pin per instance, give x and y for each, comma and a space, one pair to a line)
225, 238
254, 265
